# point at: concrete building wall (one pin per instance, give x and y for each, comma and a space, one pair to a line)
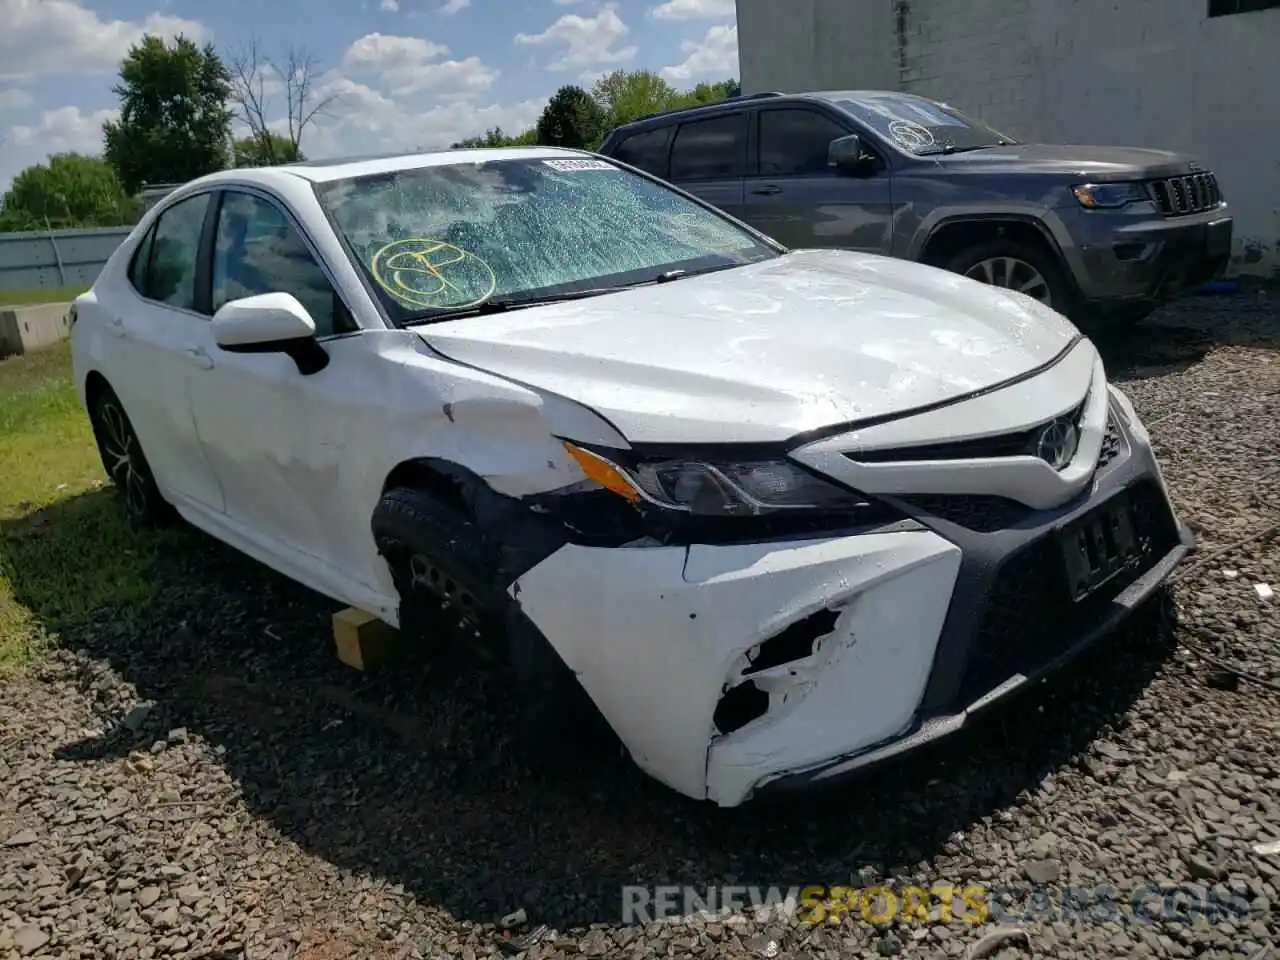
1144, 73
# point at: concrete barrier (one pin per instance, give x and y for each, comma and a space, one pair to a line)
23, 329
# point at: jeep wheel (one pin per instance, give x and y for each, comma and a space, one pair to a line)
1016, 266
452, 594
125, 463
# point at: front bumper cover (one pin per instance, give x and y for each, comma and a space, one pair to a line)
928, 626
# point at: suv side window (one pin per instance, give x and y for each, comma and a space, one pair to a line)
794, 141
711, 149
646, 150
168, 272
258, 250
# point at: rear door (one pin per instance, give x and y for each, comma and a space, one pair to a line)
792, 195
709, 158
159, 339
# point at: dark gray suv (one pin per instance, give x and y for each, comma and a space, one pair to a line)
1095, 232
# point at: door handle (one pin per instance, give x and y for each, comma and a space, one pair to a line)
116, 326
198, 358
767, 191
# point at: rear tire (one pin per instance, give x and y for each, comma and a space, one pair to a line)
1011, 264
125, 463
449, 577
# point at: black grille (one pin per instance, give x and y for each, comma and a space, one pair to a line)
1029, 616
1023, 443
1179, 196
981, 514
1112, 445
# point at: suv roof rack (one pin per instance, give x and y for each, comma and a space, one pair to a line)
699, 106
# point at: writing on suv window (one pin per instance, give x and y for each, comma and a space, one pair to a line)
922, 126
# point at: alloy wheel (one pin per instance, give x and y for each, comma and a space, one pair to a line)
1012, 274
122, 456
459, 611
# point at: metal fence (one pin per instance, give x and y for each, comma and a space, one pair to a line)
56, 258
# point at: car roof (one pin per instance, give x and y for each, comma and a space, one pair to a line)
676, 113
339, 168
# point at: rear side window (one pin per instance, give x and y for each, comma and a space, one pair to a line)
712, 149
141, 260
647, 150
794, 142
173, 244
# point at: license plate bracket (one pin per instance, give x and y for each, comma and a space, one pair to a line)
1098, 546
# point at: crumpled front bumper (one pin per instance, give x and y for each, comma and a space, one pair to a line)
656, 634
853, 649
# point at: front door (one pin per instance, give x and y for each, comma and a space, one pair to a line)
159, 341
708, 160
792, 195
273, 435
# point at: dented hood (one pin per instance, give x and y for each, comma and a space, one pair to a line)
763, 352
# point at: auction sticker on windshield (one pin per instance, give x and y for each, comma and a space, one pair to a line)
569, 166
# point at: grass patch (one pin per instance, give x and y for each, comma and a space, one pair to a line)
26, 298
67, 553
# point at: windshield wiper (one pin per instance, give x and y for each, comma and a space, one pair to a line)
950, 148
503, 304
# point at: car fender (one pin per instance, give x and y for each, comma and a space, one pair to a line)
1045, 221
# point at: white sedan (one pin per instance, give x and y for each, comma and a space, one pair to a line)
766, 516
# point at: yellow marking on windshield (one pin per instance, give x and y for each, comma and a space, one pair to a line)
425, 272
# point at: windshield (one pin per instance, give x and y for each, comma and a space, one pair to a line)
444, 238
921, 126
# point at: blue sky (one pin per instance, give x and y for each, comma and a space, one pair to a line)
406, 74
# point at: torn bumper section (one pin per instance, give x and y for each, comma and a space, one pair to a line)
724, 667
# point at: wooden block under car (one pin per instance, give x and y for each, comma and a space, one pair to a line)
365, 642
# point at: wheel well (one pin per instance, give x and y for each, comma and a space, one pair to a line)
950, 238
94, 384
445, 481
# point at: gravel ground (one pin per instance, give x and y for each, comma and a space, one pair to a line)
206, 781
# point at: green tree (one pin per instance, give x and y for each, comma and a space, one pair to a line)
711, 92
572, 118
265, 149
68, 190
496, 138
174, 123
625, 95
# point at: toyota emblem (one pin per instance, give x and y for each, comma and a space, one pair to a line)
1057, 443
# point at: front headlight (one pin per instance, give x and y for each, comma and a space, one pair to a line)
719, 489
1110, 196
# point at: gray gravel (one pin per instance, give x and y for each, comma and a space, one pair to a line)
205, 780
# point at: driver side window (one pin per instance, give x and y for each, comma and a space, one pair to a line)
794, 142
258, 250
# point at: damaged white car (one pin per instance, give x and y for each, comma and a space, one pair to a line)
771, 515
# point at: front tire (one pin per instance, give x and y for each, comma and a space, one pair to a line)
125, 463
448, 574
1017, 266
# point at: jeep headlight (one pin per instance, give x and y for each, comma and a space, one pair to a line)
1110, 196
720, 488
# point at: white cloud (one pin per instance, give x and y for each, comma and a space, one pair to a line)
716, 54
389, 6
584, 41
693, 10
407, 65
61, 36
450, 7
65, 130
14, 99
373, 121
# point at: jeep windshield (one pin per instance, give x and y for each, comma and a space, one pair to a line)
446, 239
918, 125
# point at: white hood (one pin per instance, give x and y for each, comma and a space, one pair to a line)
763, 352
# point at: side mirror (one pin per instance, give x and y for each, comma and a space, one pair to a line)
270, 323
846, 155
